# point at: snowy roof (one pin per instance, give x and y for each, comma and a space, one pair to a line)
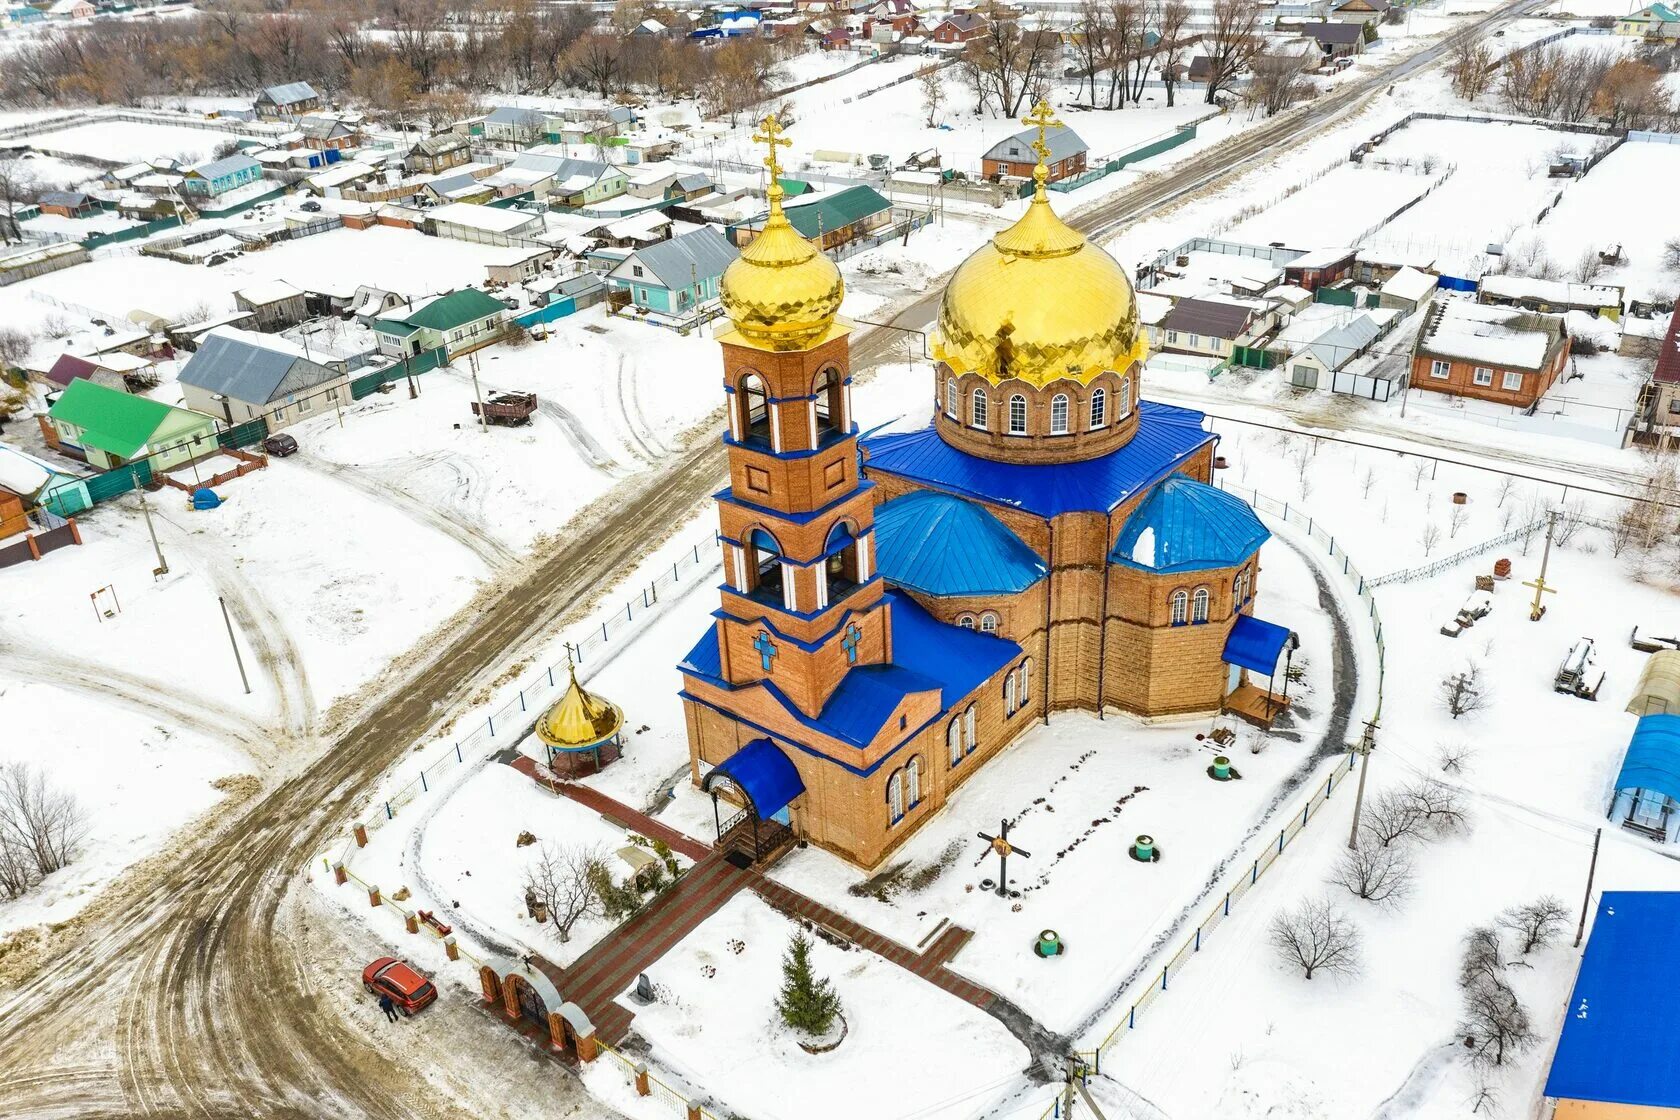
21, 472
1558, 293
1152, 309
647, 224
230, 165
513, 114
1323, 258
130, 171
942, 545
493, 218
1338, 345
347, 172
251, 367
1505, 337
268, 291
1186, 526
1409, 284
290, 93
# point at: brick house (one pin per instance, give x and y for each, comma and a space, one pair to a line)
1656, 418
959, 28
1319, 268
1496, 354
1014, 157
324, 133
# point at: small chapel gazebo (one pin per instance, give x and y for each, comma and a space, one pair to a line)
582, 732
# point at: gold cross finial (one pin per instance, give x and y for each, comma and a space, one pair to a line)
1044, 120
772, 138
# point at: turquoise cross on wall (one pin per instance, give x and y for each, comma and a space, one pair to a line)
850, 641
766, 649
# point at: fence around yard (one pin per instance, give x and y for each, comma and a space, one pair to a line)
1424, 571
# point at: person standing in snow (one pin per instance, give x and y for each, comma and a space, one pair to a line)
389, 1006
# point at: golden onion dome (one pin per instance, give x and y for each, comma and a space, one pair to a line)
782, 292
580, 719
1039, 302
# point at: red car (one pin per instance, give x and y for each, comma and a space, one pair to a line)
398, 979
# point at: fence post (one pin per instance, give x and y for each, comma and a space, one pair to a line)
551, 676
491, 720
1227, 904
522, 699
1163, 979
604, 631
458, 752
1254, 875
1280, 841
1198, 939
423, 787
388, 814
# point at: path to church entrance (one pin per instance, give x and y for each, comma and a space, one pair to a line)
610, 967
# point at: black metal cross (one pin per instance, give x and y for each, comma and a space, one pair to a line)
1001, 845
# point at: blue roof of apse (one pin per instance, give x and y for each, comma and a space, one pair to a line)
1653, 756
1166, 436
941, 545
1618, 1036
765, 774
1254, 644
1186, 526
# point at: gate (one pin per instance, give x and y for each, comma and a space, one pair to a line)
119, 481
243, 435
530, 1003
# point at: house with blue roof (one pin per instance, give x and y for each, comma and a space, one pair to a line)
899, 608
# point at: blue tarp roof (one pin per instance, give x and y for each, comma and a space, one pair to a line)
1653, 756
941, 545
1186, 526
1254, 644
764, 774
1618, 1036
1166, 436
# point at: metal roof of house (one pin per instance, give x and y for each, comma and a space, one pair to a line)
73, 199
1166, 436
251, 368
440, 142
1188, 526
447, 312
677, 263
1063, 142
513, 114
290, 93
112, 421
942, 545
1668, 358
1338, 345
1209, 317
1618, 1035
228, 165
68, 367
323, 128
823, 212
1334, 34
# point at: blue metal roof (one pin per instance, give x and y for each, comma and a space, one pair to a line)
1254, 644
1187, 526
1166, 436
1618, 1036
1653, 756
941, 545
958, 660
765, 775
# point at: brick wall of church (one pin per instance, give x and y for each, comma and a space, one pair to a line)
1153, 667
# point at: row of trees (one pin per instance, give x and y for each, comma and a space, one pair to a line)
1573, 86
41, 829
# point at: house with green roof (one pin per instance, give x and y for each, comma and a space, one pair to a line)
1659, 21
458, 321
108, 428
837, 219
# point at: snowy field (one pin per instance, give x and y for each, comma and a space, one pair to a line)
131, 142
1594, 214
1335, 209
50, 172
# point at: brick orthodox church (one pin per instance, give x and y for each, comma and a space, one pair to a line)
896, 611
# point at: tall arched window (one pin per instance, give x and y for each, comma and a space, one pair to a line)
1017, 415
1180, 607
1239, 590
954, 740
1009, 695
989, 623
1099, 408
968, 729
756, 401
913, 782
977, 409
830, 390
1125, 401
765, 567
895, 796
952, 396
840, 564
1026, 682
1059, 414
1199, 605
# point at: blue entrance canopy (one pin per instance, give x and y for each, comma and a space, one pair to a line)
1653, 756
1255, 645
1618, 1036
762, 772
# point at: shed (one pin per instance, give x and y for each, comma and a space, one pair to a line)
1407, 290
274, 304
1659, 685
1331, 351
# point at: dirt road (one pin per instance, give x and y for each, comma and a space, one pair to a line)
200, 986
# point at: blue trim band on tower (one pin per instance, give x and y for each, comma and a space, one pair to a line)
1653, 756
1255, 645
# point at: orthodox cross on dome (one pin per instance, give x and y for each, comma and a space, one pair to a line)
1044, 120
772, 138
850, 642
766, 649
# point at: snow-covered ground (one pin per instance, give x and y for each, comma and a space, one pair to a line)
131, 141
1335, 209
1594, 215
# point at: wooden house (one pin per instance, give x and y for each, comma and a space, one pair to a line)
283, 102
274, 304
1014, 157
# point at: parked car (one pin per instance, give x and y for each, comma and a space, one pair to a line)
311, 205
280, 445
398, 979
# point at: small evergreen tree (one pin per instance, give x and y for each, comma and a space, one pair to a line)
806, 1003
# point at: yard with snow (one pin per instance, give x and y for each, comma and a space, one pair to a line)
132, 141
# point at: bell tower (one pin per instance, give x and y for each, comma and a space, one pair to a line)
802, 601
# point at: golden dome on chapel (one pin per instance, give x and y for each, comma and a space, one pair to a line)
579, 719
782, 292
1038, 302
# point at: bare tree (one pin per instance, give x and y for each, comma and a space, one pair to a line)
1439, 805
1671, 255
1495, 1024
1419, 469
560, 879
1174, 45
1231, 42
1375, 872
1007, 61
1469, 65
1315, 936
1456, 520
1536, 923
1483, 958
1463, 692
1455, 757
15, 344
593, 61
933, 92
1431, 537
41, 828
1392, 815
1505, 485
1483, 1096
1367, 481
1276, 81
17, 186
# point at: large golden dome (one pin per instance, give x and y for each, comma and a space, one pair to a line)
1038, 303
782, 292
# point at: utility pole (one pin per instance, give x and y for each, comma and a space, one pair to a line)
1541, 587
483, 419
1592, 869
232, 641
1085, 1095
1067, 1091
146, 512
1367, 743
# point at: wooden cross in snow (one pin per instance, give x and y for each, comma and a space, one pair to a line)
1004, 849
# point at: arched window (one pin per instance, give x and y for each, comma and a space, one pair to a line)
977, 409
1059, 414
1017, 415
756, 400
764, 567
954, 740
968, 729
1239, 590
895, 796
1025, 688
1199, 605
1125, 401
952, 395
1009, 695
1099, 408
1180, 607
830, 391
913, 782
989, 623
840, 564
966, 621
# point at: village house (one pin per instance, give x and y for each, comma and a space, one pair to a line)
516, 265
460, 185
274, 304
1656, 418
1659, 21
437, 153
829, 219
486, 225
1407, 290
324, 133
674, 277
1359, 11
68, 204
117, 370
1375, 266
1314, 365
955, 30
1492, 353
1014, 157
1319, 268
1335, 40
219, 176
1152, 310
241, 376
583, 182
513, 127
649, 227
23, 14
71, 9
1553, 297
1211, 327
284, 102
457, 322
109, 428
